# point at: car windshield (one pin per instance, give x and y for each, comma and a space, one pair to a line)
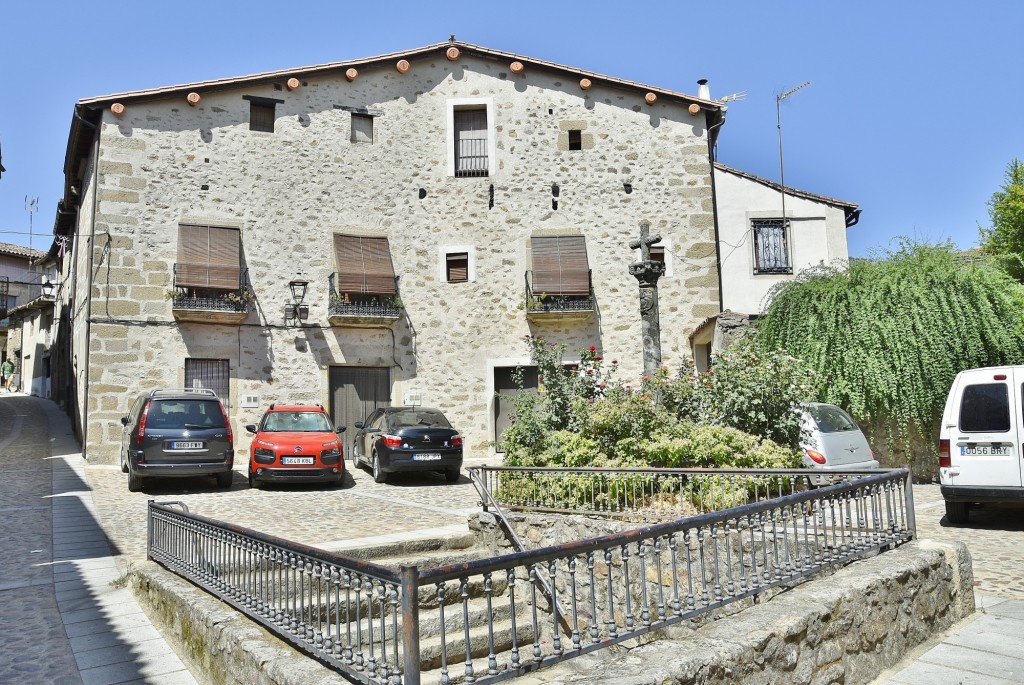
166, 414
831, 419
297, 421
418, 418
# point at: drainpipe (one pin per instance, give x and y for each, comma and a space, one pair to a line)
702, 87
88, 297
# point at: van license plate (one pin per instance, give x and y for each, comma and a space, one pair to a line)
984, 451
427, 456
304, 461
186, 445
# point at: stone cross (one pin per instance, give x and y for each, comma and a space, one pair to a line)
648, 272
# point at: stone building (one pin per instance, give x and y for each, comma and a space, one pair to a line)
20, 284
384, 230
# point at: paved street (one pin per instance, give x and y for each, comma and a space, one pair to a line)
65, 622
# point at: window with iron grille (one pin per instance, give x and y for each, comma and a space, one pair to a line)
470, 128
362, 128
212, 374
771, 246
457, 267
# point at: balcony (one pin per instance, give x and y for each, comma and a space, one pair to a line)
574, 303
363, 310
211, 305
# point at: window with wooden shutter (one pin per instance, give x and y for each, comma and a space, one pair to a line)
560, 265
208, 257
457, 267
364, 264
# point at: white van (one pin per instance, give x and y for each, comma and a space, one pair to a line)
980, 439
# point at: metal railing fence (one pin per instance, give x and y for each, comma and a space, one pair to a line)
490, 619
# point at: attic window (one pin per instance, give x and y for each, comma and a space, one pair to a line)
362, 128
262, 113
575, 139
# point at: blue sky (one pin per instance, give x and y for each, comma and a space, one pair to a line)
913, 112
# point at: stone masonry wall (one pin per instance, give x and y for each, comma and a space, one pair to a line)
864, 619
165, 163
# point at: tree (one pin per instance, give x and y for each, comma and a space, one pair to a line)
887, 335
1005, 239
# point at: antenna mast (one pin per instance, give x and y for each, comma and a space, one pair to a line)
778, 119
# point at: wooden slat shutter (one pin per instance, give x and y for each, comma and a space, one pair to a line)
458, 267
560, 265
364, 264
208, 257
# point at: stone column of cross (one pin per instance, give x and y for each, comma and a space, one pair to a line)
647, 273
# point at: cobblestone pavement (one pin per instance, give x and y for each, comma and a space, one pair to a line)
64, 619
322, 516
994, 534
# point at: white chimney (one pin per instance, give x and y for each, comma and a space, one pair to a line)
703, 92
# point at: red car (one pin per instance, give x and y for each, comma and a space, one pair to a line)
295, 444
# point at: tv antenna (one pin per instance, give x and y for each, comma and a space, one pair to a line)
778, 119
31, 206
742, 95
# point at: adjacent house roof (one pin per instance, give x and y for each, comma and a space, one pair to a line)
12, 250
851, 209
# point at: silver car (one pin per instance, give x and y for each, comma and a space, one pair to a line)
832, 441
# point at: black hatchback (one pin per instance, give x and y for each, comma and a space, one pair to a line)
395, 439
177, 432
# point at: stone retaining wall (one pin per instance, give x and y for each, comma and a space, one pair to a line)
846, 630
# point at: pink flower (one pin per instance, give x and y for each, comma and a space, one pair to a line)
593, 348
644, 378
615, 361
590, 371
597, 359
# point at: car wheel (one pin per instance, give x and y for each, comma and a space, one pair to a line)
224, 479
134, 482
452, 475
354, 456
253, 483
956, 512
378, 475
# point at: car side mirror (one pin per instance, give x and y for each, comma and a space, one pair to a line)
250, 428
340, 429
358, 424
124, 420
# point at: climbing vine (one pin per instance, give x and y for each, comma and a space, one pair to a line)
887, 335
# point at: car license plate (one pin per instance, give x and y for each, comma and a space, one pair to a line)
297, 460
984, 451
427, 456
186, 445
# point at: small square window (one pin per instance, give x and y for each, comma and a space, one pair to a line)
362, 128
575, 139
261, 116
771, 246
457, 267
658, 253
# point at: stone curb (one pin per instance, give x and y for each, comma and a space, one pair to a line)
852, 627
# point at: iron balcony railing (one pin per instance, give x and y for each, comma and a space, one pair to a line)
212, 299
539, 301
499, 617
376, 305
471, 157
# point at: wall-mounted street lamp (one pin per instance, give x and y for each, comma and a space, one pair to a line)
297, 311
47, 289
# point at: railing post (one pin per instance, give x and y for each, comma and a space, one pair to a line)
908, 495
149, 531
411, 626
